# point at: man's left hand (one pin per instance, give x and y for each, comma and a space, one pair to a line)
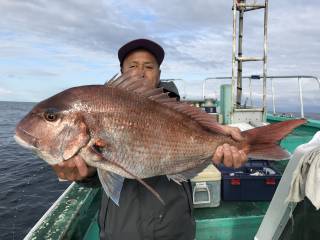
230, 156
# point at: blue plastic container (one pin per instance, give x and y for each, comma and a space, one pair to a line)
257, 180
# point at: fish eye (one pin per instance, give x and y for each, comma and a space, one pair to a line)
50, 115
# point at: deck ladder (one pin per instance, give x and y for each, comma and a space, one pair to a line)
239, 113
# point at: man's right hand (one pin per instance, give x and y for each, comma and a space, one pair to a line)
74, 169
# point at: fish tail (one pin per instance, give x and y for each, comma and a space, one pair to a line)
263, 142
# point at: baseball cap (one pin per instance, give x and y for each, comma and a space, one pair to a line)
154, 48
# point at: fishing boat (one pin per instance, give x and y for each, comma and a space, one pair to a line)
74, 215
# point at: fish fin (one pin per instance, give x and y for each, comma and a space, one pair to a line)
100, 142
111, 80
163, 98
190, 173
129, 81
136, 83
153, 92
206, 120
102, 146
271, 152
112, 184
117, 165
262, 142
176, 178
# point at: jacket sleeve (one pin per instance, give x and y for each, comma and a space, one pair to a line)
92, 181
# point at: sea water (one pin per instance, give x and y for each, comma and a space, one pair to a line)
28, 185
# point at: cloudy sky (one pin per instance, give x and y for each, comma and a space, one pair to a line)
48, 46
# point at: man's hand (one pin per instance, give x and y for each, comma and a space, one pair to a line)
74, 169
230, 156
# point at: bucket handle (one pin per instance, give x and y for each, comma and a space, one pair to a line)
201, 187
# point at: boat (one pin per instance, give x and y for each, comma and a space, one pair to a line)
74, 215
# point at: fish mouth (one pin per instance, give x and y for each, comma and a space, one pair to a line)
23, 143
25, 139
30, 142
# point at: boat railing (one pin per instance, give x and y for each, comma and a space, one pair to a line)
299, 78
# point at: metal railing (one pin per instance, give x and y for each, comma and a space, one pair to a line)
299, 78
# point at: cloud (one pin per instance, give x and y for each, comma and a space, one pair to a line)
197, 34
93, 25
76, 41
4, 91
32, 73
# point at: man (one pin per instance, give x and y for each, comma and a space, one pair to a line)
140, 215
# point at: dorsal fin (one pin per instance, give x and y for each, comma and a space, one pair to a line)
203, 118
159, 96
153, 92
111, 79
129, 81
133, 82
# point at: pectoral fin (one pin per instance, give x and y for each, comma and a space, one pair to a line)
116, 165
112, 184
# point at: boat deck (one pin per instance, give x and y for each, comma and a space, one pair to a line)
231, 220
74, 216
243, 218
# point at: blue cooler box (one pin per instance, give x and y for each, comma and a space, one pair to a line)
257, 180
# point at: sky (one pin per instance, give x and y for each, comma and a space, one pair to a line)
49, 46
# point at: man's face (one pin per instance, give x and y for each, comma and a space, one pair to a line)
144, 63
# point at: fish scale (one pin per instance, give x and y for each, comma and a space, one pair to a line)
160, 139
144, 124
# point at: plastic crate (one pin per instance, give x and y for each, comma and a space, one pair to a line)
257, 180
206, 188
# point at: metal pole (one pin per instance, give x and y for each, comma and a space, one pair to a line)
317, 81
233, 55
203, 88
301, 98
184, 89
273, 102
265, 59
239, 75
250, 88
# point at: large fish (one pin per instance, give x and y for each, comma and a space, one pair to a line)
128, 131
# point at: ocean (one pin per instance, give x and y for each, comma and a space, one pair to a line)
28, 186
